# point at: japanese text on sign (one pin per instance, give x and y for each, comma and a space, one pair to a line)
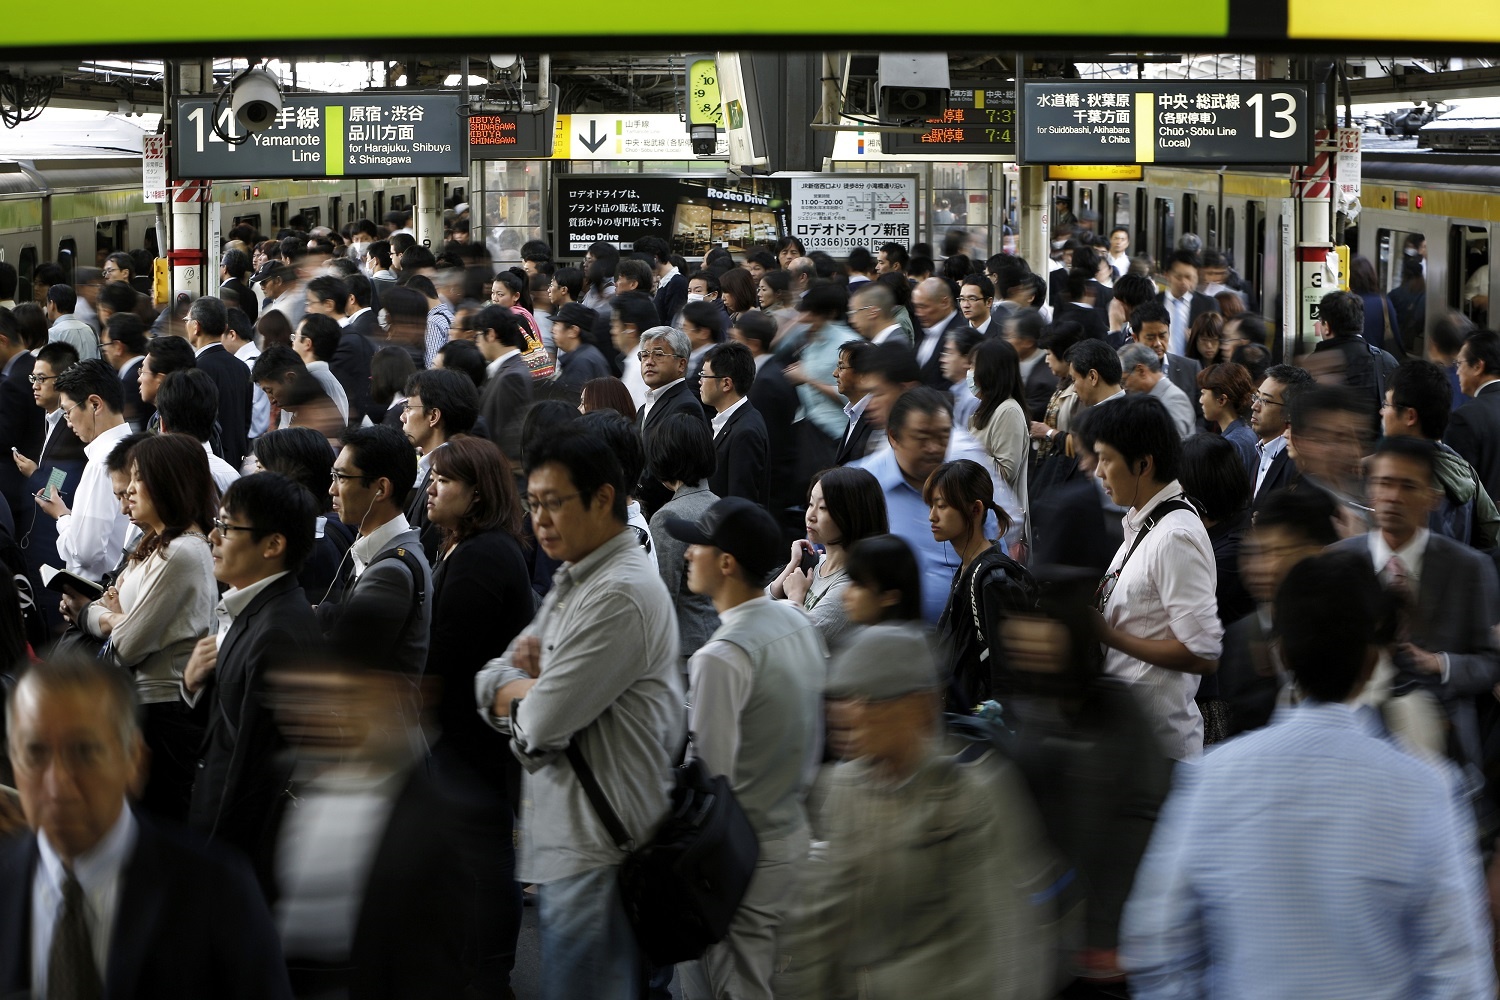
834, 214
980, 119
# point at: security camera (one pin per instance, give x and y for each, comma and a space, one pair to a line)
256, 101
705, 139
912, 85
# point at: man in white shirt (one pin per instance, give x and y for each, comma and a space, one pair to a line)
1140, 369
188, 402
260, 403
976, 300
741, 459
872, 314
1119, 250
90, 534
1160, 617
1269, 419
316, 340
61, 301
631, 314
1096, 372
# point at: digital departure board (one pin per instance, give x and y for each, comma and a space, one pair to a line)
978, 120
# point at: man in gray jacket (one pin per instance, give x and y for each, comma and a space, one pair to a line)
754, 698
597, 667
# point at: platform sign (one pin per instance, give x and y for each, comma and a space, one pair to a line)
978, 120
834, 212
692, 214
326, 135
1198, 121
154, 169
626, 136
510, 137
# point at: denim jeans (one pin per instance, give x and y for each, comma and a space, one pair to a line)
589, 951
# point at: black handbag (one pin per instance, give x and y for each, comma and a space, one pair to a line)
681, 891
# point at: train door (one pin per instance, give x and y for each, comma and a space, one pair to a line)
1190, 218
1469, 271
379, 216
1253, 262
67, 259
1400, 259
1166, 231
108, 237
333, 212
1211, 230
1140, 242
1229, 235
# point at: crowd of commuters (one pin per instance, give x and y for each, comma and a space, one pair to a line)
1050, 638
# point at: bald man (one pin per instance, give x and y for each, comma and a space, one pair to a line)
938, 316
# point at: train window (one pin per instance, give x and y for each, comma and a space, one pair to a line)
1166, 230
398, 203
253, 221
333, 212
311, 216
26, 267
1121, 216
379, 215
152, 247
1190, 214
1211, 231
1229, 235
67, 258
1140, 221
1469, 272
364, 208
1255, 214
109, 237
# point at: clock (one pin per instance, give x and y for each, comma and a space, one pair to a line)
703, 103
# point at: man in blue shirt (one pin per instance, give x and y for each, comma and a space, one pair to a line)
922, 436
1313, 858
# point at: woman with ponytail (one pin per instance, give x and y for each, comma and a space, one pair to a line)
988, 585
511, 290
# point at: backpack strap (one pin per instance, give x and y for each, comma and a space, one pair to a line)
418, 587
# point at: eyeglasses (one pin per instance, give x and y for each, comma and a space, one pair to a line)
224, 527
971, 299
111, 270
1264, 400
39, 379
343, 477
657, 355
552, 504
708, 376
68, 410
408, 406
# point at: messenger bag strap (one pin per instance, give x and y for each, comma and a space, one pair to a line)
601, 805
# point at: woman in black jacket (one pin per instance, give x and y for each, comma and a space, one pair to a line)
481, 600
987, 586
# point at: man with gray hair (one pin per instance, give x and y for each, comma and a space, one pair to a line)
872, 313
95, 900
663, 355
1141, 373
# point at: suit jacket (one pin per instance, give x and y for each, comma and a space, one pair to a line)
1474, 432
932, 368
244, 296
503, 402
1281, 475
20, 427
236, 781
374, 616
1457, 609
775, 399
191, 923
233, 380
138, 412
670, 297
1183, 373
678, 399
1090, 318
741, 458
416, 516
350, 364
856, 442
413, 929
1040, 385
484, 579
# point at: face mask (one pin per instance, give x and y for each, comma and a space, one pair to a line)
695, 297
969, 380
385, 320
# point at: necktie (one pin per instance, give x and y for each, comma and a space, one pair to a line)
71, 971
1398, 582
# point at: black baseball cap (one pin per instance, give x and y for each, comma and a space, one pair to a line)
738, 526
576, 314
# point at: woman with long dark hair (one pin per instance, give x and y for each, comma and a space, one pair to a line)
737, 289
162, 604
511, 291
844, 507
987, 586
1000, 423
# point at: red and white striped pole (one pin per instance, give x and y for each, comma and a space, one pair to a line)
187, 257
1313, 187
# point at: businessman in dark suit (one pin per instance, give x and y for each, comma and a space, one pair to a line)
182, 920
1269, 419
440, 404
1151, 325
671, 284
264, 536
207, 320
1474, 429
937, 313
741, 449
1182, 300
350, 363
1023, 331
20, 417
775, 399
848, 376
664, 359
122, 343
1448, 591
506, 395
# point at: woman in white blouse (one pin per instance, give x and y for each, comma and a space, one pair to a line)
162, 604
1000, 423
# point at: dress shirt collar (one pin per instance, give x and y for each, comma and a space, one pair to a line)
130, 363
494, 366
722, 417
672, 272
730, 614
315, 367
235, 601
1410, 554
198, 351
1028, 365
578, 572
367, 547
98, 449
1477, 391
52, 417
354, 315
1270, 449
891, 331
941, 324
249, 352
98, 865
424, 461
652, 395
1135, 518
1119, 394
760, 361
853, 410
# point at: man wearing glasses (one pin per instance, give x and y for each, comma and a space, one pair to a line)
1269, 420
262, 535
597, 668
